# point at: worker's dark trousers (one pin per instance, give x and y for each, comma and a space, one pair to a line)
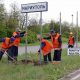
48, 56
70, 46
10, 53
15, 52
1, 54
57, 55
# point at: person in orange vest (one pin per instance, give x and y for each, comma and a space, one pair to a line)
17, 35
46, 48
11, 50
57, 45
71, 41
5, 46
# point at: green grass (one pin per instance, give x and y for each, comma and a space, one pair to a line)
46, 72
34, 44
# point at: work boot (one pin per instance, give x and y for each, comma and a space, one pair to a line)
58, 62
55, 62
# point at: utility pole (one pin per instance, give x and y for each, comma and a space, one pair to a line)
41, 36
72, 20
77, 29
60, 24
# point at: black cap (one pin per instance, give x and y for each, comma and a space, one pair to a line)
12, 39
52, 31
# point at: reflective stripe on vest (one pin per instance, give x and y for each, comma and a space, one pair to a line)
17, 40
5, 44
55, 41
47, 48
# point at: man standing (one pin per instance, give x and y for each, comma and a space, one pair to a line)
71, 41
11, 50
46, 48
57, 45
17, 35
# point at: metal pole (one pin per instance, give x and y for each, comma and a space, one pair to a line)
26, 39
77, 29
72, 20
60, 23
41, 36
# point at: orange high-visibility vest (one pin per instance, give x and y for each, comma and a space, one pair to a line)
17, 40
71, 41
55, 41
47, 48
5, 45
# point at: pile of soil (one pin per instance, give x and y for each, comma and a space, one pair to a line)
26, 61
35, 63
38, 63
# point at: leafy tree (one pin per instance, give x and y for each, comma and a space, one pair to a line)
34, 26
57, 26
45, 28
51, 25
2, 21
65, 29
13, 20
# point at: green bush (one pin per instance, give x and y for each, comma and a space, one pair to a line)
31, 37
9, 33
3, 33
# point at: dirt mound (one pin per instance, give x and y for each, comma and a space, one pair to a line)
38, 63
26, 61
35, 63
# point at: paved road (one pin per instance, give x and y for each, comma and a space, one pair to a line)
30, 49
72, 76
33, 49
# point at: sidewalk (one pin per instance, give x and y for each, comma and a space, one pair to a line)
33, 49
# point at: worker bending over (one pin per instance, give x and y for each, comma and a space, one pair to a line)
46, 48
5, 46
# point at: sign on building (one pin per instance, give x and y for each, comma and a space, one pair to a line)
73, 51
34, 7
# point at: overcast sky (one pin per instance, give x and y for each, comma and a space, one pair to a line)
67, 8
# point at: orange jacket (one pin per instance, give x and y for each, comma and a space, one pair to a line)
55, 41
17, 40
47, 48
71, 40
5, 45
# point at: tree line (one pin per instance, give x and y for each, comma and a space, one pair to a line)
10, 21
